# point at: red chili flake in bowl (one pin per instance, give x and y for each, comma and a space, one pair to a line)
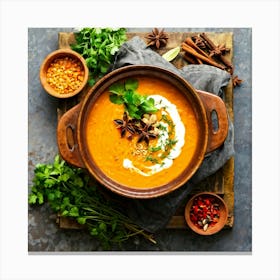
204, 212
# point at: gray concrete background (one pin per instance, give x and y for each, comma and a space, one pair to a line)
44, 234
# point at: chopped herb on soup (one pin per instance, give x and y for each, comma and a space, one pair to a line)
135, 104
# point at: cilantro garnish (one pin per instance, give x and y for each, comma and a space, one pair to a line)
135, 104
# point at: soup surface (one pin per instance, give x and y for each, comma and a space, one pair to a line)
149, 151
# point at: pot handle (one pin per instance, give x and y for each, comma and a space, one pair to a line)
67, 137
214, 105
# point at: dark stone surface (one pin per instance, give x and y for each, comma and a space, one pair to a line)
43, 233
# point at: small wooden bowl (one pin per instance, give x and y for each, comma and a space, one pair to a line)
223, 214
46, 64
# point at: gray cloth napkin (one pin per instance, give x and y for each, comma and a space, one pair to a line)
154, 214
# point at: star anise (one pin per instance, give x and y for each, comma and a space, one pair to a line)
157, 38
236, 81
126, 126
219, 50
146, 133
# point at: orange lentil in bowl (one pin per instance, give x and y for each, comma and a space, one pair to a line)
65, 75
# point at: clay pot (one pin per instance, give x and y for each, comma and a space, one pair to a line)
71, 129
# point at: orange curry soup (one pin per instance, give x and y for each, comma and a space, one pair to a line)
109, 150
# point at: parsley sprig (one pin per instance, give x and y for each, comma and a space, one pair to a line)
98, 46
135, 104
70, 192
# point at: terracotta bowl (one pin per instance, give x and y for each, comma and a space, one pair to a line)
62, 53
71, 129
216, 218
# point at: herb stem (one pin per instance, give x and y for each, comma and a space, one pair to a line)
74, 195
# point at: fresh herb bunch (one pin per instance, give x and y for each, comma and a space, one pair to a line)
71, 193
135, 104
98, 46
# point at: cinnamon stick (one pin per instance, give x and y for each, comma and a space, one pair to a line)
190, 59
190, 42
208, 41
212, 46
193, 52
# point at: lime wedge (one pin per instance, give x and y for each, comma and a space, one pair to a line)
171, 54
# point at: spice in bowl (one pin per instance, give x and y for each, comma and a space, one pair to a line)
65, 74
206, 213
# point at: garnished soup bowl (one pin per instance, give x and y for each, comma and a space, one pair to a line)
142, 131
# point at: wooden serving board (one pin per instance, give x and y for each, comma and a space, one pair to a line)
222, 182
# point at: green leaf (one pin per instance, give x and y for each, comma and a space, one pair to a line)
102, 226
81, 220
64, 213
91, 82
66, 201
128, 97
94, 232
78, 182
149, 103
39, 175
50, 182
57, 193
131, 84
137, 99
51, 196
64, 177
74, 212
40, 197
149, 109
32, 198
133, 111
117, 88
104, 68
47, 171
114, 50
148, 106
116, 99
56, 161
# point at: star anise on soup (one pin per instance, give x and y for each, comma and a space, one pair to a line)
126, 126
219, 50
146, 135
146, 130
157, 38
